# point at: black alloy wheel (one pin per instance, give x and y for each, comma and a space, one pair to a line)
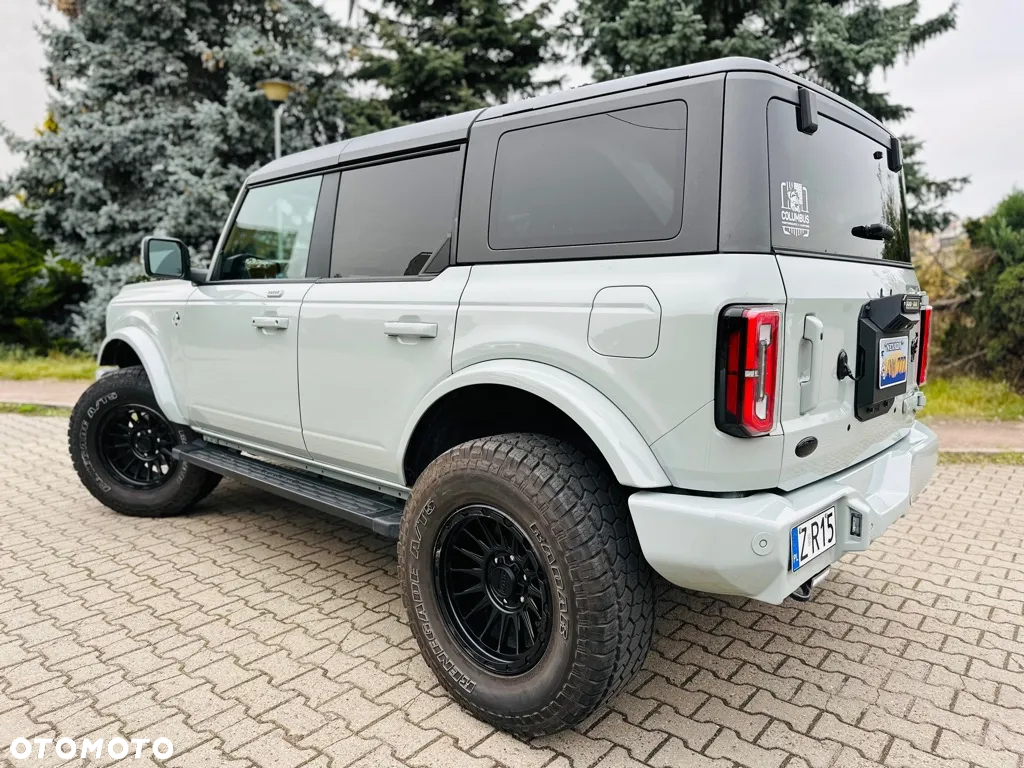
135, 445
492, 589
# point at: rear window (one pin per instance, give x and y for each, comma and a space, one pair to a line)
825, 184
610, 178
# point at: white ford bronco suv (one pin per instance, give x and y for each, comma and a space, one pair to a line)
666, 324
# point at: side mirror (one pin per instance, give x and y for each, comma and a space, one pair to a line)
164, 257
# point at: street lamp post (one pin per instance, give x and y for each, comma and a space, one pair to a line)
277, 92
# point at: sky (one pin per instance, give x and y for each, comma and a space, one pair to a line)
966, 88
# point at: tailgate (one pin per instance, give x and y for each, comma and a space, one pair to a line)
839, 231
826, 297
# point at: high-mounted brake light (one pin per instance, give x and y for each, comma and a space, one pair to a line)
747, 370
926, 338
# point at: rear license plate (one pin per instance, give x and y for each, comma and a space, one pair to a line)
812, 537
892, 361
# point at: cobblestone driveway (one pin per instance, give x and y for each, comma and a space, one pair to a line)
256, 633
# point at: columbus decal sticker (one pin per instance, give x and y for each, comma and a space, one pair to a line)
796, 215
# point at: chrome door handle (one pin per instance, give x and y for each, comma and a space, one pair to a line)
810, 390
273, 323
416, 330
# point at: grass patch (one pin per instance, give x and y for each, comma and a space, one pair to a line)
964, 397
967, 457
35, 410
18, 364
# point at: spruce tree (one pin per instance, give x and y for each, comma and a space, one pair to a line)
839, 44
156, 119
430, 58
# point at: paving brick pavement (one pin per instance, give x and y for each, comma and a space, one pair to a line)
63, 394
256, 633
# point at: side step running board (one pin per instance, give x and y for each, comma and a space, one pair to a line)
378, 512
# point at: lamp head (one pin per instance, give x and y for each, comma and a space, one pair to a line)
276, 90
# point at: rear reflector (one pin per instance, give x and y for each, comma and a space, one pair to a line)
747, 370
926, 339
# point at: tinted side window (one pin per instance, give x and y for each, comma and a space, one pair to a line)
394, 219
270, 235
610, 178
825, 184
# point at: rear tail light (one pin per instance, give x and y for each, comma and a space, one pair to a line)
926, 339
747, 370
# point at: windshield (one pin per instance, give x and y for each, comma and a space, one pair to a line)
832, 191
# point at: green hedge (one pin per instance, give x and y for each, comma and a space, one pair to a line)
35, 288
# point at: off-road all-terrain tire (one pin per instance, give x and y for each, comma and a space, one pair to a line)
572, 512
184, 486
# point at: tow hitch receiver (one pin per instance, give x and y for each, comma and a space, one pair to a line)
805, 591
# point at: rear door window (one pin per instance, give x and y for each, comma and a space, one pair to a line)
826, 184
396, 219
615, 177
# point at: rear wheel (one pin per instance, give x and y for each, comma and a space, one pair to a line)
492, 589
524, 581
121, 446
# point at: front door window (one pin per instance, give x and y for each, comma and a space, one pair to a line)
270, 236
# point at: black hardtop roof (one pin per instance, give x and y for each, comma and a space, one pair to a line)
455, 128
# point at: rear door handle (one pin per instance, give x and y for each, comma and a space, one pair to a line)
272, 323
415, 330
810, 390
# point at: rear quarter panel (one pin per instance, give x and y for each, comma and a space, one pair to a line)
542, 312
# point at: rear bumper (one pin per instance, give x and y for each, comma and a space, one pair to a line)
740, 546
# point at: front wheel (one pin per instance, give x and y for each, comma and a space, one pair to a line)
120, 444
524, 581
